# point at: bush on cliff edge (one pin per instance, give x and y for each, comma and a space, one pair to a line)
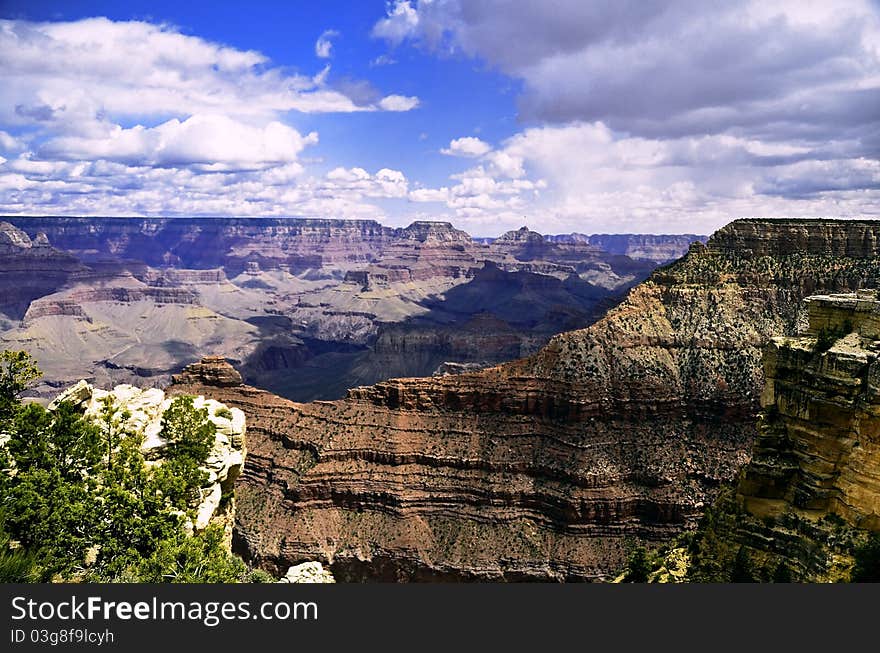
78, 502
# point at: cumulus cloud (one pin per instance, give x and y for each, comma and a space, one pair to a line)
655, 68
429, 194
211, 140
66, 74
133, 118
398, 103
118, 188
401, 22
666, 115
386, 183
586, 177
467, 146
324, 44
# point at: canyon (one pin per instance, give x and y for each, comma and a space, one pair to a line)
305, 308
549, 467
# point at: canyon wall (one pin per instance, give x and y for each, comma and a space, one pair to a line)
29, 269
549, 467
659, 248
812, 489
306, 308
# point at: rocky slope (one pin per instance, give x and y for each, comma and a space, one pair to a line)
812, 488
546, 467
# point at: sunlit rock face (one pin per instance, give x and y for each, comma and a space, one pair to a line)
542, 468
811, 493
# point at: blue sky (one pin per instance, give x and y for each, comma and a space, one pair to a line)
566, 116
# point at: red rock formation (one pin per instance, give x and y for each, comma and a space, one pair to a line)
212, 371
541, 468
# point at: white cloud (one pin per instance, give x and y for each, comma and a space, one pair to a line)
116, 188
667, 68
210, 140
68, 75
663, 116
8, 143
350, 182
467, 146
429, 194
383, 60
324, 45
401, 22
398, 103
137, 119
584, 177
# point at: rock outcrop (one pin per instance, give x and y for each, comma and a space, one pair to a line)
541, 468
836, 238
141, 414
307, 572
813, 484
210, 371
30, 269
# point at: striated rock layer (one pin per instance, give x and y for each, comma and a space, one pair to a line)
813, 485
660, 248
30, 269
305, 308
822, 417
546, 467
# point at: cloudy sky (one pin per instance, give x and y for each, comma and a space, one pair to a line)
565, 115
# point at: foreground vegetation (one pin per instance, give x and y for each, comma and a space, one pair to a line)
79, 503
719, 551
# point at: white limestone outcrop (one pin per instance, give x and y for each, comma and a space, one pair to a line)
308, 572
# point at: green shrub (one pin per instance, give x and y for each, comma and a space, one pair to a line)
81, 504
637, 566
224, 412
867, 561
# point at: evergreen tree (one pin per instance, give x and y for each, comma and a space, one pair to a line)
637, 567
17, 371
78, 502
867, 567
742, 570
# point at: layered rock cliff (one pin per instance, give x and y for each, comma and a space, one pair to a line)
307, 308
660, 248
812, 488
200, 243
546, 467
29, 269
